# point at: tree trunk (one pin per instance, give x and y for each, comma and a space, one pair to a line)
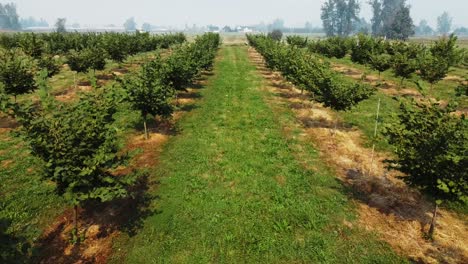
146, 129
75, 219
74, 79
433, 222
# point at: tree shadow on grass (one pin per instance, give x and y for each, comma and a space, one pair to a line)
406, 204
8, 122
320, 122
387, 197
13, 249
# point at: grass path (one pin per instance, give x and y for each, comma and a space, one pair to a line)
237, 187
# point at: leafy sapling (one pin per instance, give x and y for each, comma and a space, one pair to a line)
77, 145
17, 72
430, 144
148, 94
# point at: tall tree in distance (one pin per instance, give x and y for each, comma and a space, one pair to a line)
391, 19
9, 18
130, 24
276, 24
340, 17
377, 17
423, 29
444, 23
60, 25
402, 26
147, 27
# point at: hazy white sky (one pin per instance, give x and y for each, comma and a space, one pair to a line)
218, 12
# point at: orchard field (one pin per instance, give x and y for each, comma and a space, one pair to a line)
139, 148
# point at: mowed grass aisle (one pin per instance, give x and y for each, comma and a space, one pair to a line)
233, 191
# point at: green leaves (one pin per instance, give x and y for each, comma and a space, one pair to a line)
77, 144
431, 147
152, 89
297, 41
17, 72
308, 72
148, 93
381, 62
403, 66
331, 47
90, 58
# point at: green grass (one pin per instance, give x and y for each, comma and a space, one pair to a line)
234, 188
27, 204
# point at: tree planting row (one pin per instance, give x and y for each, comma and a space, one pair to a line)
76, 142
309, 73
27, 54
432, 63
430, 142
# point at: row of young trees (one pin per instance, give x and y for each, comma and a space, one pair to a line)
432, 63
151, 91
117, 45
306, 71
20, 65
430, 142
77, 141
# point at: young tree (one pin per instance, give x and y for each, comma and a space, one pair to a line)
130, 24
431, 148
50, 63
17, 72
381, 62
297, 41
435, 63
77, 145
444, 23
116, 46
89, 58
148, 94
403, 66
432, 69
447, 49
60, 25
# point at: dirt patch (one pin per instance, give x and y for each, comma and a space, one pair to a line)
387, 87
7, 122
454, 78
6, 163
71, 93
397, 213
